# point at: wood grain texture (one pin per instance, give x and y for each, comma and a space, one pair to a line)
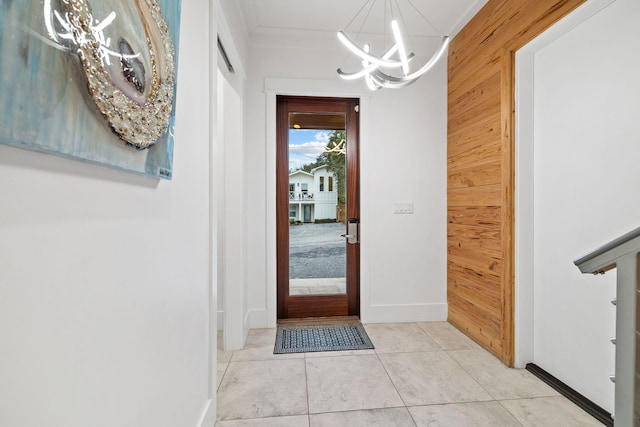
480, 163
480, 217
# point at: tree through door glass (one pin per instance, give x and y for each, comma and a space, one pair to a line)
317, 204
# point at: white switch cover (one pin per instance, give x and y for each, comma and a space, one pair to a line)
403, 207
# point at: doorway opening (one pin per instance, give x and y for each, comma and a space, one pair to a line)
317, 207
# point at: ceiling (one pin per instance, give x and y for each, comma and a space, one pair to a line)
309, 17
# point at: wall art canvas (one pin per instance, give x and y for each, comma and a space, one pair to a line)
91, 79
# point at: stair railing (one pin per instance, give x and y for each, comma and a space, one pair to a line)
623, 254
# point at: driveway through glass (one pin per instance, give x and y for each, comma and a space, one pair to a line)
317, 259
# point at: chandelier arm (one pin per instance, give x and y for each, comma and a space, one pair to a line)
390, 82
357, 74
349, 44
368, 68
375, 79
395, 28
379, 75
431, 62
381, 83
371, 84
371, 67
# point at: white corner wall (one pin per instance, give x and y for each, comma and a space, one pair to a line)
403, 158
585, 169
228, 177
106, 305
230, 181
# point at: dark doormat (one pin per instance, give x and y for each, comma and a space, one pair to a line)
303, 339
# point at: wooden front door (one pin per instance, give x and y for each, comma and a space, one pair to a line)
318, 261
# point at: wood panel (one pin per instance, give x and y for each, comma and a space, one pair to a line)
480, 162
478, 98
474, 135
457, 88
485, 239
480, 217
477, 154
479, 114
473, 277
487, 195
488, 306
475, 176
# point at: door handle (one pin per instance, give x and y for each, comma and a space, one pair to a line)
353, 231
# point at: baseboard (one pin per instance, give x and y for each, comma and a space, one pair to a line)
397, 313
254, 319
587, 405
208, 416
257, 319
387, 313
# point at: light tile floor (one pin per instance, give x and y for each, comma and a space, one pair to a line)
420, 374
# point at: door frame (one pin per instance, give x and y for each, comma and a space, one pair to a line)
317, 305
274, 86
524, 284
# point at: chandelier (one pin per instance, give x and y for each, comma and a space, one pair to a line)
394, 58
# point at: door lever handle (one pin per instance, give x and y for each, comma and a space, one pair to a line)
353, 233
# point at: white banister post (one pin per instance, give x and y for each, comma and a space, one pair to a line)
626, 409
624, 255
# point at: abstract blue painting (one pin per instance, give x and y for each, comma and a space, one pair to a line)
93, 80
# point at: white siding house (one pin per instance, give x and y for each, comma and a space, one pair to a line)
312, 195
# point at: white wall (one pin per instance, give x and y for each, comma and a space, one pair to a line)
585, 154
105, 285
229, 178
403, 134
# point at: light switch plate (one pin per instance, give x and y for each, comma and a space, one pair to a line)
403, 207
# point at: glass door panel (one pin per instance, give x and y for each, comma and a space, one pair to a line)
317, 193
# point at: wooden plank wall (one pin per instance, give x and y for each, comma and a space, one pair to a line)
481, 166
